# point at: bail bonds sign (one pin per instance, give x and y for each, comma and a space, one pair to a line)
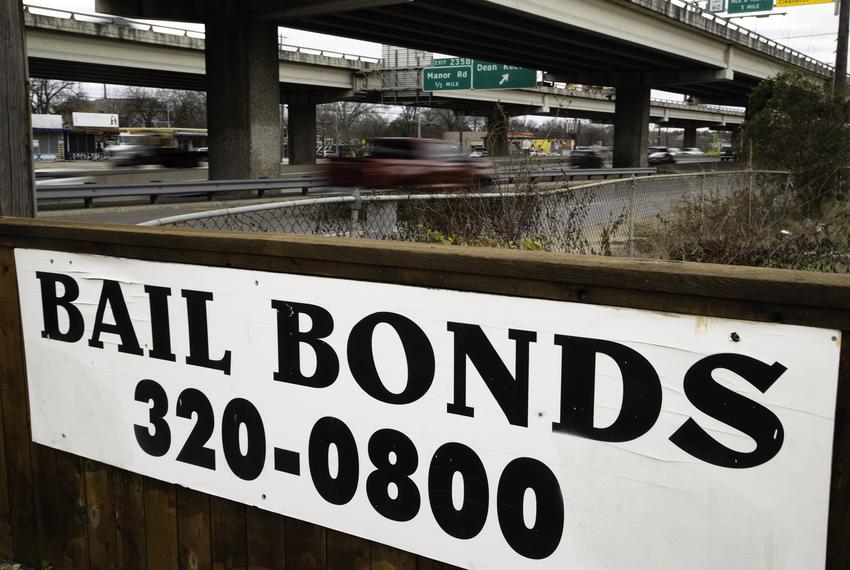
481, 430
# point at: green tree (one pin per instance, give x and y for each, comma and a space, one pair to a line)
793, 124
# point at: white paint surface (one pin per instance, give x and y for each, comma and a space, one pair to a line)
639, 504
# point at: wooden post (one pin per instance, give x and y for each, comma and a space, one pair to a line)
16, 179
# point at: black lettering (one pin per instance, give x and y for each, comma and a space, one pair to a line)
466, 522
111, 294
199, 344
290, 339
541, 539
417, 351
339, 489
510, 392
733, 409
160, 327
641, 390
51, 301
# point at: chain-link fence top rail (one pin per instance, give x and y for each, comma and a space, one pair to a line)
591, 218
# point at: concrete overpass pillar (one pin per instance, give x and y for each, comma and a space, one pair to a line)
243, 94
631, 124
301, 124
690, 138
497, 133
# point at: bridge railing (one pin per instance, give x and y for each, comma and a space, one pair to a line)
692, 14
611, 217
182, 32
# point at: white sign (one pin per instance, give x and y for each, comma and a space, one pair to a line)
104, 120
42, 121
480, 430
716, 5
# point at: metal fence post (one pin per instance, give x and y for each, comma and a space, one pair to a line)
355, 230
750, 186
632, 187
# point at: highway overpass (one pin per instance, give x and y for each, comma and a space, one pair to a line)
634, 45
105, 49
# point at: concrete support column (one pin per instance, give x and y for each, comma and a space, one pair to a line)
243, 95
631, 124
301, 125
497, 133
736, 138
690, 138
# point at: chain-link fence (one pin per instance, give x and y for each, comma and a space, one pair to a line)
603, 217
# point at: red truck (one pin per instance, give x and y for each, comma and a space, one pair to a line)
404, 162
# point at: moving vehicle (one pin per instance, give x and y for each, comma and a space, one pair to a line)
661, 155
397, 162
168, 147
585, 158
727, 153
691, 151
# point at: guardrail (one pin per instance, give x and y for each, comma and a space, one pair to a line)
304, 182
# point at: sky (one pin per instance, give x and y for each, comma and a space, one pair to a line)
807, 29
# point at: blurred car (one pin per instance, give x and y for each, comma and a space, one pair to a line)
727, 153
661, 155
585, 159
396, 162
479, 153
691, 151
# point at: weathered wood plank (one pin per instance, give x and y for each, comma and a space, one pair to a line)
71, 510
160, 524
428, 564
17, 495
100, 511
50, 530
771, 295
15, 402
388, 558
305, 546
130, 520
7, 548
838, 530
60, 488
228, 529
266, 540
347, 551
16, 179
193, 529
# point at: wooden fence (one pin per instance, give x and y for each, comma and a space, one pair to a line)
76, 513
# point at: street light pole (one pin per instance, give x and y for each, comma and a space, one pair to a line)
839, 81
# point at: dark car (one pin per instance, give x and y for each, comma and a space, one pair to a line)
585, 159
398, 162
727, 153
660, 155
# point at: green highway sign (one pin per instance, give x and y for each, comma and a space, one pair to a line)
446, 61
486, 75
446, 78
740, 6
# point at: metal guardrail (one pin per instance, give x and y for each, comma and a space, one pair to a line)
89, 192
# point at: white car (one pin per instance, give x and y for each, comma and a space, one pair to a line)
691, 151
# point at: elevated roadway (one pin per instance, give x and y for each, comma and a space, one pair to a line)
95, 48
632, 45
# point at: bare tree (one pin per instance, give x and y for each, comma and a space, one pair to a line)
48, 94
143, 108
184, 108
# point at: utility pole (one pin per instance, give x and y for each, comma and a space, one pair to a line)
839, 83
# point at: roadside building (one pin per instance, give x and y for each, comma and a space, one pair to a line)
90, 133
48, 137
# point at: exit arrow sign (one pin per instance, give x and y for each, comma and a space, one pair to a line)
486, 75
